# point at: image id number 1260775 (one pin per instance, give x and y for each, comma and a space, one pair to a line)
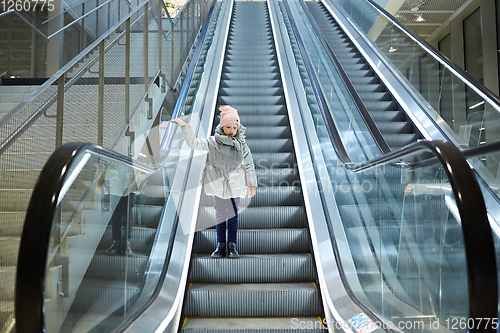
471, 323
26, 5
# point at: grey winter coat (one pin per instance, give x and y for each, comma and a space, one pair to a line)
230, 168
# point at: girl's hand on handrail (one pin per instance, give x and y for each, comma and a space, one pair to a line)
179, 122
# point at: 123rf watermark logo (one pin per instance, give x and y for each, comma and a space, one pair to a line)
26, 5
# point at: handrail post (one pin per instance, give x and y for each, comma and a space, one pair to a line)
97, 19
188, 27
181, 45
160, 31
172, 66
100, 110
146, 45
34, 51
60, 110
11, 28
109, 15
128, 133
83, 37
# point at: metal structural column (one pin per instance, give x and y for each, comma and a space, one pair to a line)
127, 71
172, 66
160, 31
60, 110
146, 51
100, 112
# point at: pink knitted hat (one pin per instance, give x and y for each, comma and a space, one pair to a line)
228, 115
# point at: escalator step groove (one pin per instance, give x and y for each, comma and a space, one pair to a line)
254, 269
258, 217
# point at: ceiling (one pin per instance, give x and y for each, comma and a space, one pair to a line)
425, 17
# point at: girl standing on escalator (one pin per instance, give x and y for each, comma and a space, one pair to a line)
229, 174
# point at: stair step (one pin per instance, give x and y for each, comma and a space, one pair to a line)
7, 315
257, 217
126, 268
274, 299
9, 179
104, 296
258, 241
267, 110
7, 287
277, 177
256, 100
253, 268
268, 132
256, 324
141, 241
11, 223
274, 160
268, 196
10, 250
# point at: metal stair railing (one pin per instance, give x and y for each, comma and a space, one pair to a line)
87, 25
65, 27
82, 4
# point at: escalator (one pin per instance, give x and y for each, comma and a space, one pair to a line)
110, 279
275, 268
385, 206
396, 128
315, 247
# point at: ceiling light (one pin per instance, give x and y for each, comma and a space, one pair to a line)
414, 9
392, 49
476, 105
420, 19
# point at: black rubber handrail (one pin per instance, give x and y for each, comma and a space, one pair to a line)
479, 151
478, 237
35, 238
367, 118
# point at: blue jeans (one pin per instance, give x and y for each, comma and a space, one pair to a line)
226, 209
